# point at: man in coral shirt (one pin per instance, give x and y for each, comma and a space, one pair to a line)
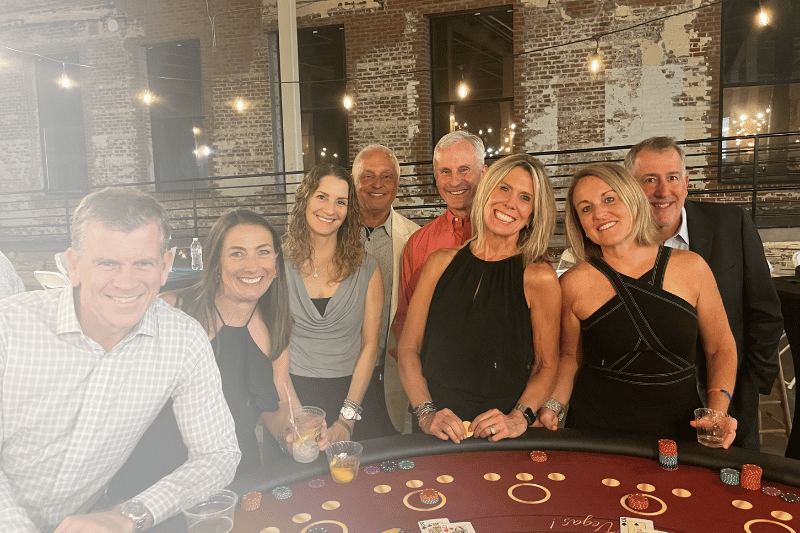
457, 167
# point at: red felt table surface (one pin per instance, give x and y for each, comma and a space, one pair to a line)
504, 491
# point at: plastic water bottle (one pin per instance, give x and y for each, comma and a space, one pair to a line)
197, 255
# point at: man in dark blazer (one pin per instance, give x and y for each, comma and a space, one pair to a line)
725, 236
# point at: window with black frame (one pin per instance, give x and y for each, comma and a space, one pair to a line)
761, 89
58, 93
472, 61
323, 118
180, 152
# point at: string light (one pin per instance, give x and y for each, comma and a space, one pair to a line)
147, 97
347, 102
64, 80
462, 90
763, 16
239, 105
595, 61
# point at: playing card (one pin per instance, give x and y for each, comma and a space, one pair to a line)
459, 527
635, 525
433, 526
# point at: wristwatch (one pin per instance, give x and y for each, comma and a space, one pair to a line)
351, 410
527, 412
557, 407
136, 511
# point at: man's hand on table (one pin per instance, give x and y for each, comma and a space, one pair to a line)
494, 425
106, 522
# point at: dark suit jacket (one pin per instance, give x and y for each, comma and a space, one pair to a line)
725, 236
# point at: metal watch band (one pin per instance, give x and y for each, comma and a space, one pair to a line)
556, 406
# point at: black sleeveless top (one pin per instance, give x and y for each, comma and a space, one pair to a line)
638, 371
248, 386
478, 345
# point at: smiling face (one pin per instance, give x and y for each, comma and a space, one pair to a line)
666, 184
376, 187
605, 219
457, 175
327, 206
247, 263
510, 205
118, 276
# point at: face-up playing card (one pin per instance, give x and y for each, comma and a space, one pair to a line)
635, 525
459, 527
433, 526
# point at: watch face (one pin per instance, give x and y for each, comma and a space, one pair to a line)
348, 413
134, 509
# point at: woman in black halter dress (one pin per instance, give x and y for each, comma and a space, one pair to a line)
480, 344
631, 314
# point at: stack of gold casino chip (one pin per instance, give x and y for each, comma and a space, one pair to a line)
750, 478
429, 496
251, 501
639, 502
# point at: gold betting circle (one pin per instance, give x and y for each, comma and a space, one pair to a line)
659, 500
511, 493
309, 526
431, 508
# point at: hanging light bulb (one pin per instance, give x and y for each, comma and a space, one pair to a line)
347, 102
595, 61
462, 90
762, 17
64, 80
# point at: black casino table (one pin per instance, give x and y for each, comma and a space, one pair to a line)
582, 486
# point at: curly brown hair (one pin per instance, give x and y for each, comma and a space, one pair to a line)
297, 241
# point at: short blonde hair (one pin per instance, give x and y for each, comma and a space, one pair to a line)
643, 227
534, 238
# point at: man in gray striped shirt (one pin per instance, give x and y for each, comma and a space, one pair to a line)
85, 369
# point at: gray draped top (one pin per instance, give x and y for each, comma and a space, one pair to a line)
327, 346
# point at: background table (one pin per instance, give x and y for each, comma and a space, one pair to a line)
581, 487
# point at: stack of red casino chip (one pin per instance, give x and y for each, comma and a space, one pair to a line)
429, 496
668, 454
750, 477
638, 502
538, 456
251, 501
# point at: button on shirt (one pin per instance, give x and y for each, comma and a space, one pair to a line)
378, 243
72, 412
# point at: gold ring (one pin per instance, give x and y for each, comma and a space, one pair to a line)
546, 493
491, 428
751, 522
659, 500
309, 526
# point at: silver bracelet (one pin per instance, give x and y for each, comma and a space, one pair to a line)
557, 407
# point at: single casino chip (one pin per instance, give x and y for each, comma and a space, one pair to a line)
406, 464
372, 469
429, 496
251, 501
282, 493
316, 483
538, 456
668, 447
669, 468
790, 497
729, 476
769, 490
388, 466
639, 502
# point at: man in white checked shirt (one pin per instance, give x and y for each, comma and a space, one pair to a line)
84, 370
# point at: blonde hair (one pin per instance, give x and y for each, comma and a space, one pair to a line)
534, 238
297, 242
643, 227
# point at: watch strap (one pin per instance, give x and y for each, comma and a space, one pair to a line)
527, 412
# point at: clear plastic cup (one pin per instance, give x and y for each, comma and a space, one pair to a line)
711, 426
344, 458
308, 422
210, 512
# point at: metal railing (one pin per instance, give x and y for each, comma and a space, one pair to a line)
761, 173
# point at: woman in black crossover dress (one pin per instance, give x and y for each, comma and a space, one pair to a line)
481, 340
631, 314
